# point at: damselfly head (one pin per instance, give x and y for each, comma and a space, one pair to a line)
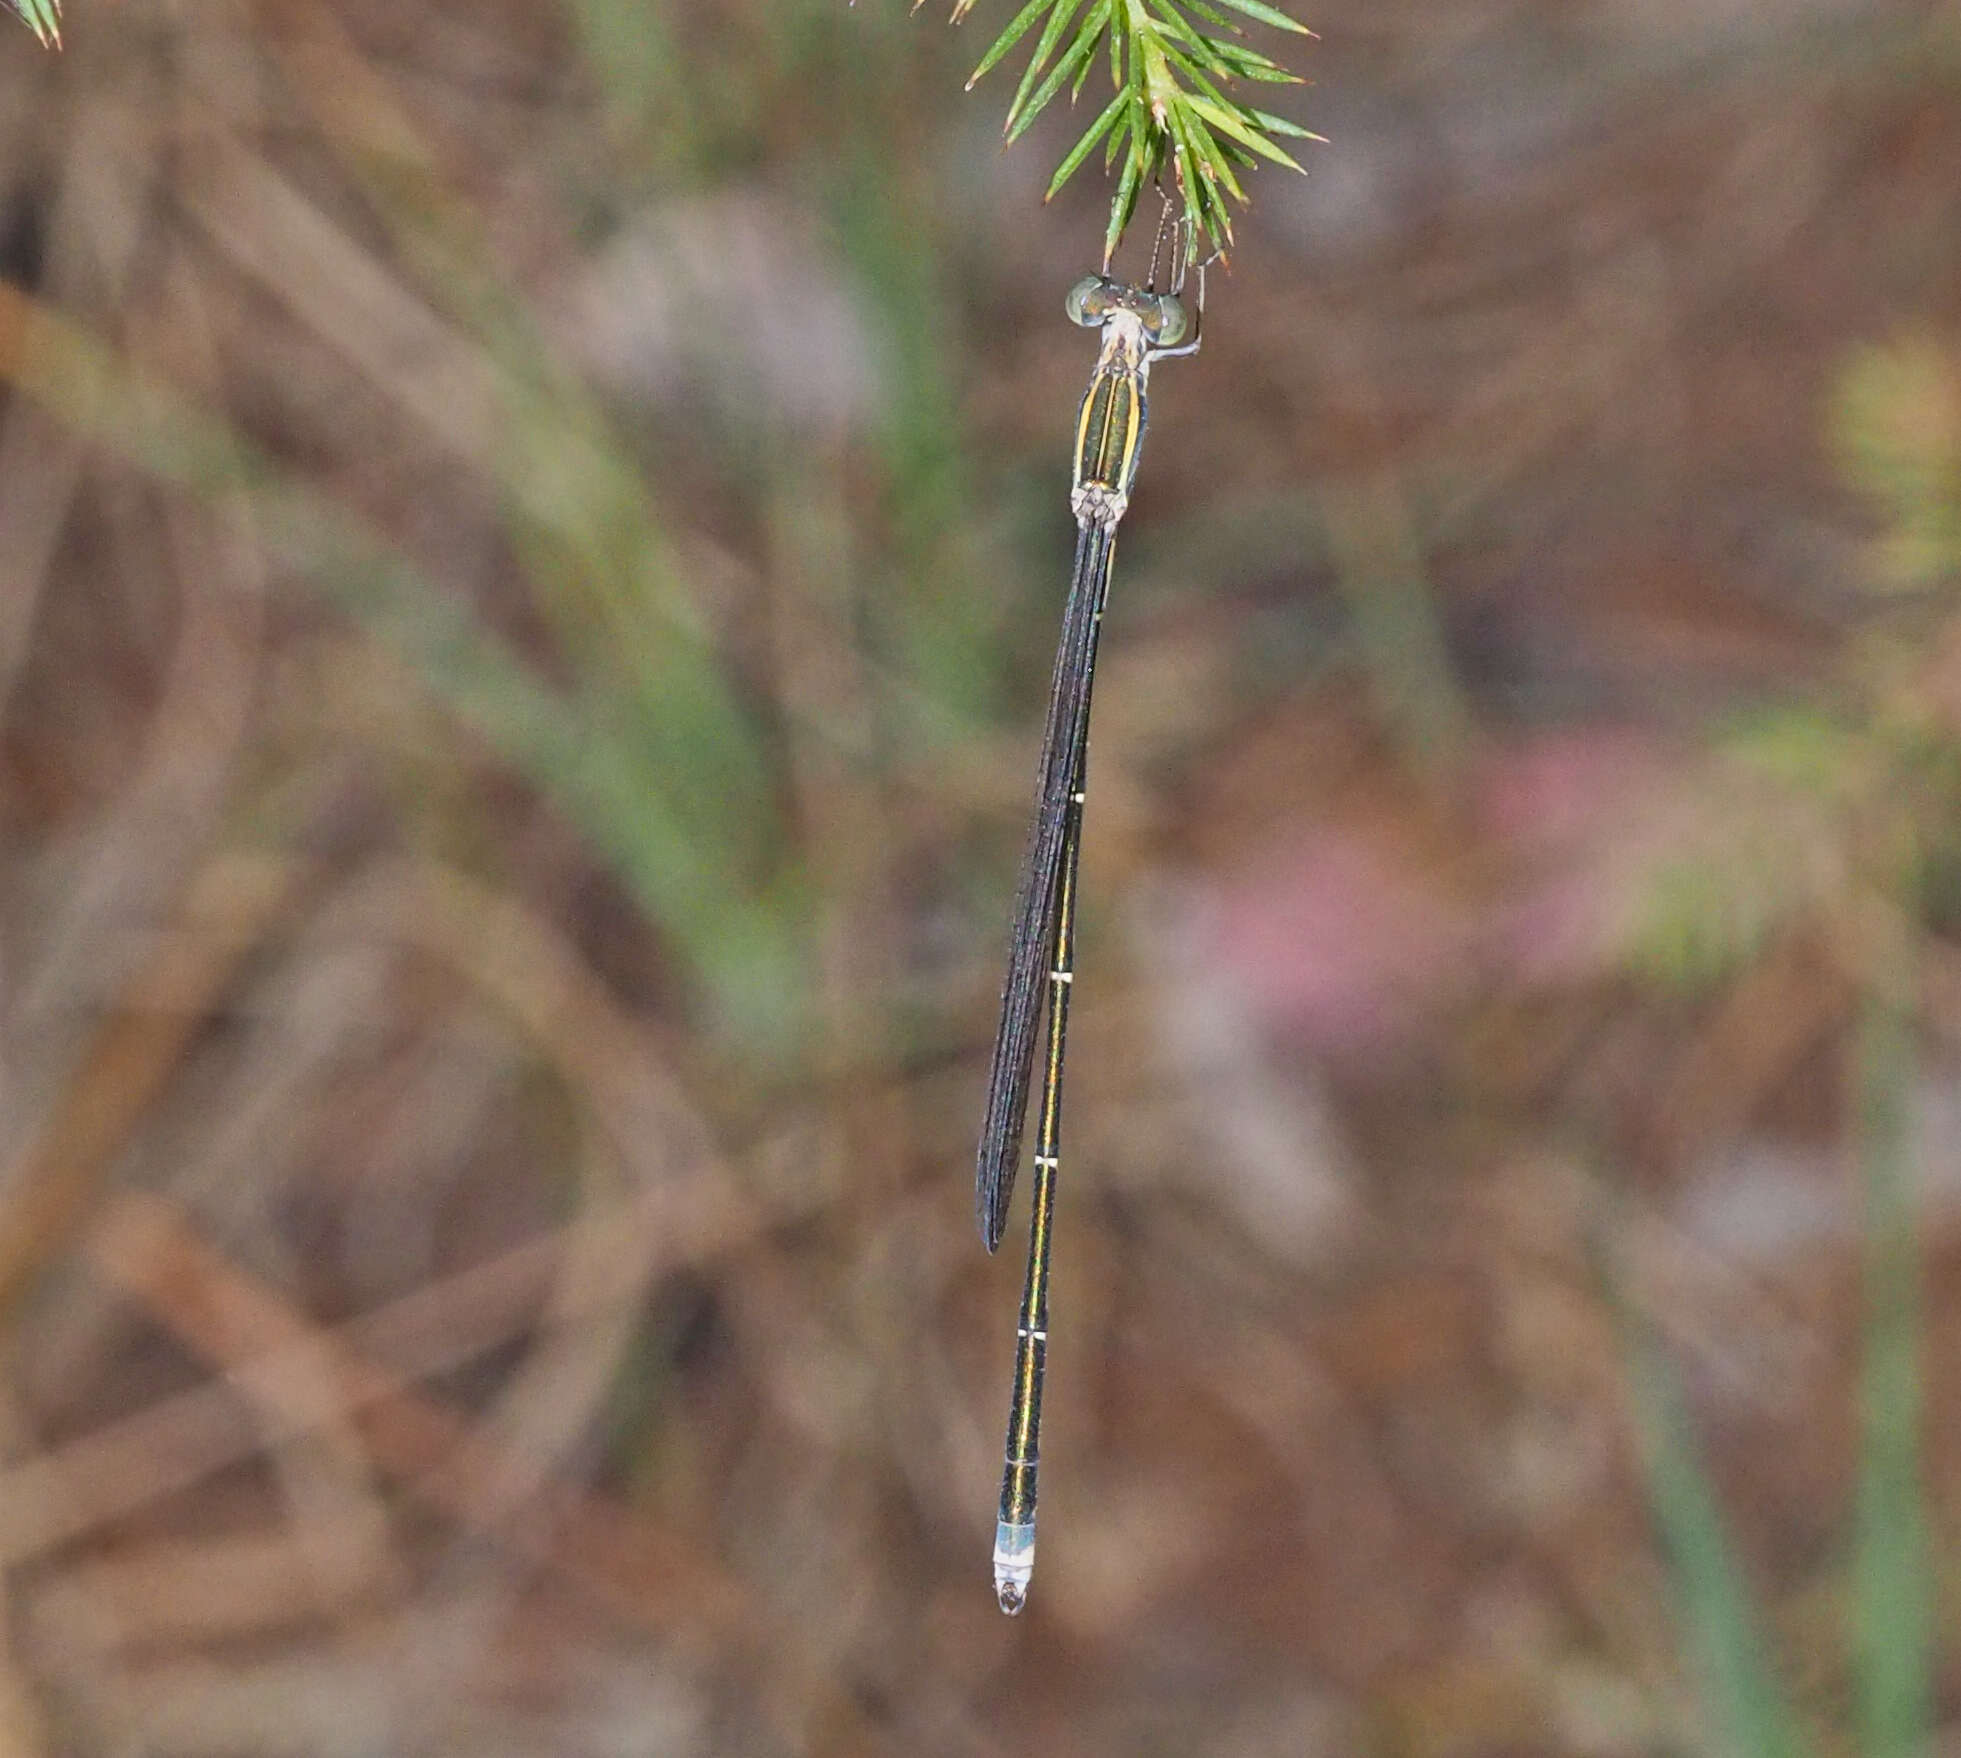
1094, 299
1090, 300
1171, 324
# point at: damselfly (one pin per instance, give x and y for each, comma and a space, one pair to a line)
1140, 325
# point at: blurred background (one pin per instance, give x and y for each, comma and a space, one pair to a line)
532, 535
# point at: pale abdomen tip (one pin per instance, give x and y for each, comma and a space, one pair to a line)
1014, 1564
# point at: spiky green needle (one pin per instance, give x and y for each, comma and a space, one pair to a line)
42, 17
1173, 66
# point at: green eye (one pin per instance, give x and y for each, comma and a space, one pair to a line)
1170, 325
1089, 301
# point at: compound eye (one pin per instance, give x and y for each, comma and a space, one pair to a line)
1168, 325
1089, 301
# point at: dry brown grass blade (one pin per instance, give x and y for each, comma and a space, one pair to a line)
147, 1249
115, 1470
42, 460
344, 295
691, 1208
352, 1386
627, 1565
524, 967
1775, 1014
349, 101
162, 820
170, 1591
225, 913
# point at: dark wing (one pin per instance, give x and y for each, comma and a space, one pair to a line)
1032, 948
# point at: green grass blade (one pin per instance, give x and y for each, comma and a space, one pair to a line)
1129, 182
1268, 15
1203, 146
1071, 58
1119, 137
1280, 125
1893, 1617
1211, 14
1251, 64
1198, 75
1748, 1712
1104, 124
1082, 78
1017, 29
1229, 124
43, 18
1061, 13
1175, 28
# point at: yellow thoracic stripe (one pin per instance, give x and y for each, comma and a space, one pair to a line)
1107, 445
1109, 431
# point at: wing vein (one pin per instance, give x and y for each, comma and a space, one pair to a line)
1032, 942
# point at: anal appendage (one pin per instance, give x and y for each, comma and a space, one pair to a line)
1014, 1564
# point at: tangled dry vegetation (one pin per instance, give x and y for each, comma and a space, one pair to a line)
526, 542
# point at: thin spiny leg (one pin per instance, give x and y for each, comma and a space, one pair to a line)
1198, 323
1166, 225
